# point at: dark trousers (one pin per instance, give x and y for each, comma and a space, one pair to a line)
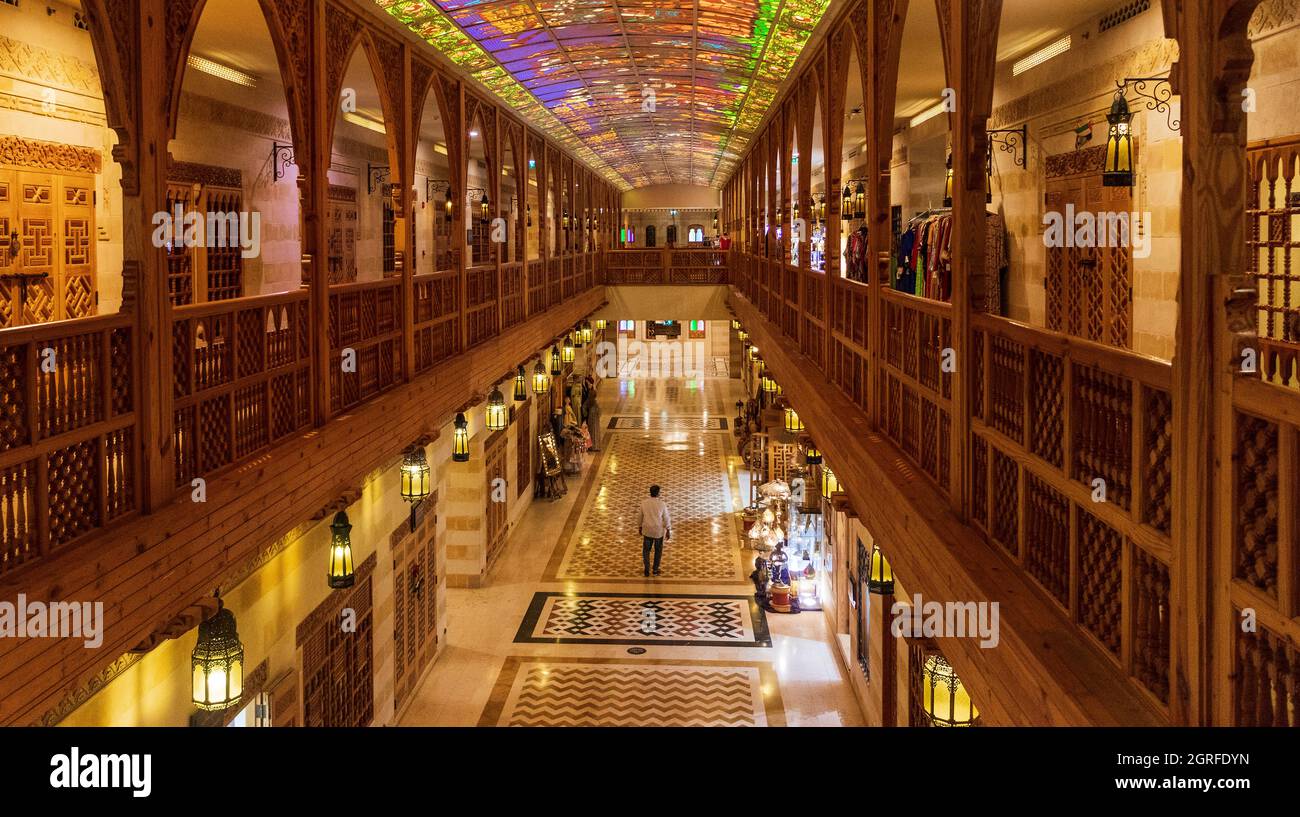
658, 545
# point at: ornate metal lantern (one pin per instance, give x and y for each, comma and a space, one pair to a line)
860, 201
830, 484
415, 475
495, 416
217, 663
812, 455
944, 698
586, 332
880, 578
566, 354
541, 380
460, 439
792, 422
342, 572
947, 182
448, 206
601, 323
1118, 171
555, 361
846, 204
483, 205
768, 381
521, 385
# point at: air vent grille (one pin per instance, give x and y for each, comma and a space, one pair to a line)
1122, 14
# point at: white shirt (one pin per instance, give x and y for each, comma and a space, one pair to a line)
654, 517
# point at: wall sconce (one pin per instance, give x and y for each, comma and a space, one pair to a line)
830, 484
1158, 99
793, 424
217, 662
375, 176
1118, 170
495, 415
947, 181
1009, 140
556, 361
812, 455
415, 478
566, 355
586, 332
341, 570
541, 380
880, 579
281, 158
460, 439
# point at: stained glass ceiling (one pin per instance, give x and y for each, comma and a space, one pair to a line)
645, 91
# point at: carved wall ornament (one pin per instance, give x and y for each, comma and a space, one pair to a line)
15, 150
84, 692
205, 175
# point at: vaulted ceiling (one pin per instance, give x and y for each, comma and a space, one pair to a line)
646, 91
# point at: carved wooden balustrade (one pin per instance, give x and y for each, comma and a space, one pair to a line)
554, 280
241, 379
850, 321
436, 319
68, 461
1261, 571
536, 287
914, 386
665, 266
1272, 210
1072, 474
480, 303
513, 297
365, 332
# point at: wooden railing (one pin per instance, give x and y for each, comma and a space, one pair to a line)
1264, 511
665, 266
241, 379
915, 386
536, 287
513, 298
436, 319
68, 461
1072, 474
365, 332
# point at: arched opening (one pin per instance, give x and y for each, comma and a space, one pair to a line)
532, 224
853, 172
509, 202
552, 186
798, 231
60, 209
478, 197
817, 192
362, 241
435, 188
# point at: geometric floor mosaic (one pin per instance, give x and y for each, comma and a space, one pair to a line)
615, 692
605, 541
668, 619
641, 423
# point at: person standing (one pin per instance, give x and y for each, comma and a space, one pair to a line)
724, 243
655, 525
591, 410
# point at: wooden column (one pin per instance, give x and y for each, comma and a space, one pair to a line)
321, 110
460, 178
970, 41
1215, 320
409, 145
153, 330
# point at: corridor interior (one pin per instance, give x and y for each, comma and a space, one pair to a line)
567, 631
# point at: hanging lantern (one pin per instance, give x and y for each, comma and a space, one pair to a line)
812, 455
217, 663
735, 325
460, 439
341, 572
415, 475
495, 416
521, 385
576, 334
794, 210
947, 182
944, 698
860, 201
541, 380
601, 324
586, 332
753, 354
447, 206
880, 579
483, 204
555, 361
715, 223
528, 213
792, 422
567, 354
743, 335
769, 382
830, 485
1118, 171
846, 204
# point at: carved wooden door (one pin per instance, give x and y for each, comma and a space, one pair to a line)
415, 609
523, 447
47, 251
496, 512
1089, 289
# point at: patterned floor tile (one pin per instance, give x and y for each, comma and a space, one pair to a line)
614, 692
660, 423
666, 619
604, 541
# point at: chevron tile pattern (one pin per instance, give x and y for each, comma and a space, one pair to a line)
691, 466
587, 693
630, 618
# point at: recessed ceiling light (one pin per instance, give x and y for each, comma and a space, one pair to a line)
1040, 56
220, 71
927, 114
364, 122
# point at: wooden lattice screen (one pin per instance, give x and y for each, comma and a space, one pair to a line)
341, 227
204, 273
338, 680
1272, 208
415, 608
47, 232
1089, 289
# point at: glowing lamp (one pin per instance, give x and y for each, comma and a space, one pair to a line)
342, 572
521, 385
217, 663
1118, 171
880, 578
495, 416
945, 700
541, 380
460, 439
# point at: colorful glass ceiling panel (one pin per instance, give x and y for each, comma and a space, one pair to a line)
645, 91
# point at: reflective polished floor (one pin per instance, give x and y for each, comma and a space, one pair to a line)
567, 630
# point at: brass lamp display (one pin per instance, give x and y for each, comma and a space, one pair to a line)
217, 663
342, 572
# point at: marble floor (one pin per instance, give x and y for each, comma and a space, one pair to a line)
567, 631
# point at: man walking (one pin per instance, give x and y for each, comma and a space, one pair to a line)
655, 525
